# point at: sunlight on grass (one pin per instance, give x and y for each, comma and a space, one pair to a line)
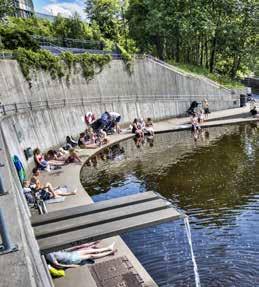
201, 71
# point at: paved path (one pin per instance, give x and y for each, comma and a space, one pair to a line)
70, 176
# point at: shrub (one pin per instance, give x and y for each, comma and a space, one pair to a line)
60, 66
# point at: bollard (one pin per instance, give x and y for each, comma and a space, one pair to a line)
2, 191
7, 246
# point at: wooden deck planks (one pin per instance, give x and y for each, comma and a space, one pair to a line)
101, 231
102, 217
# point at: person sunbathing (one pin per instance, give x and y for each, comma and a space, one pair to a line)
55, 155
39, 159
42, 163
84, 144
47, 189
73, 156
74, 256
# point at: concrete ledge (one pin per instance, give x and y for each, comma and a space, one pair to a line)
70, 177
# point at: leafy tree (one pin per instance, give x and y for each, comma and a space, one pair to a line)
105, 13
13, 39
217, 34
72, 27
19, 32
34, 25
6, 8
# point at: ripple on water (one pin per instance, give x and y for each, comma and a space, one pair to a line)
215, 181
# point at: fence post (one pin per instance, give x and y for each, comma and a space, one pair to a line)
64, 102
30, 105
15, 107
7, 246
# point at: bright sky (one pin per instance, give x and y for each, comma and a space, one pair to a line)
64, 7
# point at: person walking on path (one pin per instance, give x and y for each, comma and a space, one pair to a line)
205, 106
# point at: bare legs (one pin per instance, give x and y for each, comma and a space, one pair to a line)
56, 162
95, 253
49, 187
83, 246
57, 193
60, 193
96, 250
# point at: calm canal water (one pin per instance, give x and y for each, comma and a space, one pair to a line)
215, 180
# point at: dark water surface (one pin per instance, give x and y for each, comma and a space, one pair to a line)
215, 180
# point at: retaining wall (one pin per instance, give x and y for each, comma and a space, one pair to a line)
152, 90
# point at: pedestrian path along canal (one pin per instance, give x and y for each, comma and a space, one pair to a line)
214, 179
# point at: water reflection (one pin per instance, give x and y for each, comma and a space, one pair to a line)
215, 180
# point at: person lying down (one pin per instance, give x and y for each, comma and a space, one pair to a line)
75, 256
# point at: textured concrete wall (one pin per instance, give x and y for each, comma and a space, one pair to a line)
149, 79
153, 89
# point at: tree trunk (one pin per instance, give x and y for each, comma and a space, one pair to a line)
213, 52
159, 47
201, 53
206, 54
235, 67
177, 54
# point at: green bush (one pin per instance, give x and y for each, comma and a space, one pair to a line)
13, 39
126, 57
59, 66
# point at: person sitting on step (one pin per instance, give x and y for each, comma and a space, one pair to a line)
47, 189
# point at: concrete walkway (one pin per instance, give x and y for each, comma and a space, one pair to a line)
70, 176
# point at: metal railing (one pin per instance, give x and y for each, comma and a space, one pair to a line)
13, 108
70, 43
6, 55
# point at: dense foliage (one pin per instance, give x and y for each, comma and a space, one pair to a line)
217, 34
104, 13
61, 28
6, 8
59, 66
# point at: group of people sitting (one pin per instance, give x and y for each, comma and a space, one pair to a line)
197, 119
94, 136
108, 123
198, 114
140, 127
54, 159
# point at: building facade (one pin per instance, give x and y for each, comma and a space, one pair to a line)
23, 8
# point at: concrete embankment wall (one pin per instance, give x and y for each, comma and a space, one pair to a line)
152, 90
